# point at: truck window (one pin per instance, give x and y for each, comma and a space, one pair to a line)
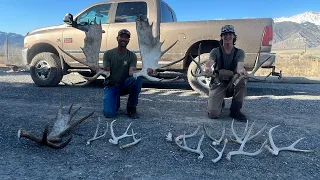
166, 14
100, 12
128, 11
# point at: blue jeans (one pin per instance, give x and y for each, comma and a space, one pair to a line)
111, 97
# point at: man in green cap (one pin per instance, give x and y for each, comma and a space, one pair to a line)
226, 59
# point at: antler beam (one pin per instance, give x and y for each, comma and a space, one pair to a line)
275, 150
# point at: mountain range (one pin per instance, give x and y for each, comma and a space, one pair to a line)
14, 40
296, 32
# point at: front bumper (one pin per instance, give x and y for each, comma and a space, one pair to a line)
24, 56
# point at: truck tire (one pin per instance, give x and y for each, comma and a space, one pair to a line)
45, 69
200, 84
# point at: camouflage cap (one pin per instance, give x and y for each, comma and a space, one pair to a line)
124, 31
227, 29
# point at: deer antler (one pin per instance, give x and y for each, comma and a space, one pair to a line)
219, 152
184, 145
61, 127
240, 150
201, 71
238, 139
215, 141
115, 140
91, 49
150, 49
95, 137
275, 150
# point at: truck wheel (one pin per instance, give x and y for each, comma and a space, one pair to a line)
45, 69
200, 84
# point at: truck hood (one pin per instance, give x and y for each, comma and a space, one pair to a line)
46, 29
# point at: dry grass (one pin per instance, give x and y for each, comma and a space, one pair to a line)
14, 57
296, 63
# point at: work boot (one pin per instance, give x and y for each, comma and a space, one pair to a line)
132, 113
236, 113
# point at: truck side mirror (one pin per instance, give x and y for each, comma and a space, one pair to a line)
68, 19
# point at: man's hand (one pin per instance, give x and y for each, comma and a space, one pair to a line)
243, 72
208, 67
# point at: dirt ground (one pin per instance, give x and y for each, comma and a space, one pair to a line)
175, 109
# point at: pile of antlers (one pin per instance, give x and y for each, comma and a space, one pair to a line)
115, 139
64, 124
180, 141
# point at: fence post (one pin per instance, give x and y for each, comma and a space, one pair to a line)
6, 51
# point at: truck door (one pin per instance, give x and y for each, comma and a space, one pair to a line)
125, 17
73, 37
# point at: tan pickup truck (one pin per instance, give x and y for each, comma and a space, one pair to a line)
49, 64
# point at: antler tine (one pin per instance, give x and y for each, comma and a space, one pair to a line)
74, 113
115, 140
135, 141
199, 52
215, 141
74, 58
95, 137
219, 152
238, 139
275, 150
240, 150
70, 108
202, 72
169, 64
184, 143
163, 52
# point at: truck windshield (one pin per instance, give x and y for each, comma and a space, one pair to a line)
100, 12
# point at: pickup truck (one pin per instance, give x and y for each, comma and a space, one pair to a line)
48, 64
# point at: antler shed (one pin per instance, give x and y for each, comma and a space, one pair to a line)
62, 126
150, 49
91, 50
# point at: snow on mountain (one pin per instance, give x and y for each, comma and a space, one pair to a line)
309, 16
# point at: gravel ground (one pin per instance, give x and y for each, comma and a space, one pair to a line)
176, 109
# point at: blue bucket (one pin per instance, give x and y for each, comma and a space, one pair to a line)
110, 101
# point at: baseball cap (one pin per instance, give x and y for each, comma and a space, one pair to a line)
227, 29
124, 31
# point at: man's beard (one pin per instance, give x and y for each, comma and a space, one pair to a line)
122, 44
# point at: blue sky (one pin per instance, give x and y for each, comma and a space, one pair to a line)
21, 16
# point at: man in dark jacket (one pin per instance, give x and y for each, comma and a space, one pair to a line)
227, 58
